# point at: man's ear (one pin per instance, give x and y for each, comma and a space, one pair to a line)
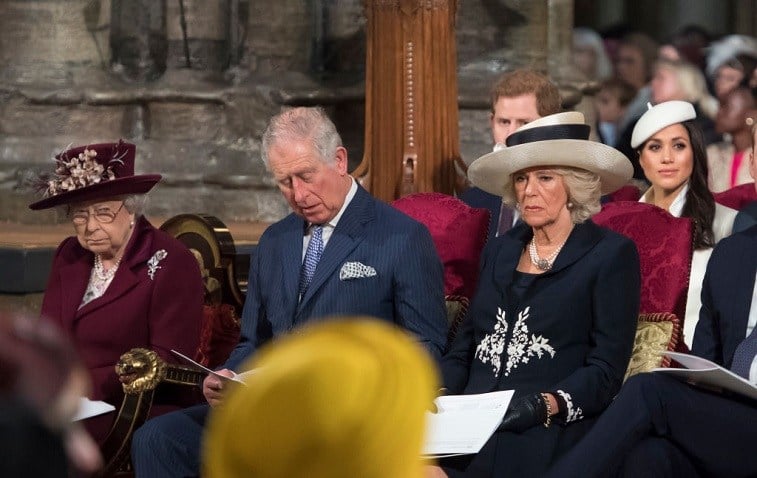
340, 160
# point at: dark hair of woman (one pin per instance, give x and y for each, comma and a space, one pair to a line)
700, 205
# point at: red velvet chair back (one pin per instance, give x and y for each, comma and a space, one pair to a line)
459, 233
737, 197
665, 247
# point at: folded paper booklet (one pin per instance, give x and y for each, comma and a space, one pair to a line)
464, 423
90, 408
238, 377
699, 371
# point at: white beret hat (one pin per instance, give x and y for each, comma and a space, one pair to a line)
661, 116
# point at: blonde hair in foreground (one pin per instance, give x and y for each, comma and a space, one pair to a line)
342, 398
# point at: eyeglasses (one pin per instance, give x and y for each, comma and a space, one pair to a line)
103, 215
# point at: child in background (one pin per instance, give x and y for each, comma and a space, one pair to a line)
612, 100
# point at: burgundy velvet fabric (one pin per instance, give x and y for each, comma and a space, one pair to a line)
626, 193
219, 335
737, 197
459, 233
665, 248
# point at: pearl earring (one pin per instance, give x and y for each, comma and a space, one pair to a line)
131, 224
570, 205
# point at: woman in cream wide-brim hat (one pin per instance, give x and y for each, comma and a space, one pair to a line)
554, 316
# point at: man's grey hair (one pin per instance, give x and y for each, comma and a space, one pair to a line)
297, 124
583, 187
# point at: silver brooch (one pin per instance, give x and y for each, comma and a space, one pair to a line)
152, 264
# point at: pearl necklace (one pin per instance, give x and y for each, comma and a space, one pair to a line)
100, 271
543, 264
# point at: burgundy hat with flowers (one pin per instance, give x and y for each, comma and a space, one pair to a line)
91, 172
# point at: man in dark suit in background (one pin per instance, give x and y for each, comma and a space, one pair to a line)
341, 252
518, 97
659, 426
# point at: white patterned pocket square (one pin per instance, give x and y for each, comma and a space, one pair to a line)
356, 270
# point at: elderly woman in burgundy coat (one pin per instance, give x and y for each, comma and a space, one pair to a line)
119, 282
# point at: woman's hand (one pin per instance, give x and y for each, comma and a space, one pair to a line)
529, 411
213, 387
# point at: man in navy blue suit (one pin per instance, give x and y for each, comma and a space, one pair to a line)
661, 427
518, 97
371, 260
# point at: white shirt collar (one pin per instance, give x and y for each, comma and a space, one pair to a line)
350, 194
676, 207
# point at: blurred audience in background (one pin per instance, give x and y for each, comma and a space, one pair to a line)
680, 80
611, 102
589, 54
728, 161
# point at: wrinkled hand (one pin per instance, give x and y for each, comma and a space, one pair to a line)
524, 413
213, 387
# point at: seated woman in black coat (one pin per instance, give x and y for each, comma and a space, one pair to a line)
556, 308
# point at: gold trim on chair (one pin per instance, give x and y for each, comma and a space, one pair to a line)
655, 333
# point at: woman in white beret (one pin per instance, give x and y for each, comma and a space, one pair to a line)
672, 154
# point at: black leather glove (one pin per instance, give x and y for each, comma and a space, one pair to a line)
525, 413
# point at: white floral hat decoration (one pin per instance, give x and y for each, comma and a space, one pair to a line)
92, 172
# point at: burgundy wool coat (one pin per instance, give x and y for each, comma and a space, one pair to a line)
152, 303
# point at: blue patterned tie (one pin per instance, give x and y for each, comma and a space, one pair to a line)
744, 355
312, 256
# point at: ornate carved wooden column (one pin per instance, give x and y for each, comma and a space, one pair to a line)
411, 125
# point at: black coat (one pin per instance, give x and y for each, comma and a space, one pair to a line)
571, 334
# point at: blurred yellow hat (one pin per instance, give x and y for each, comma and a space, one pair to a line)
341, 398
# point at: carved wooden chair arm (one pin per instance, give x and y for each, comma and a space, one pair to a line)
140, 371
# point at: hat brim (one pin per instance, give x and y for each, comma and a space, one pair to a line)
492, 172
138, 184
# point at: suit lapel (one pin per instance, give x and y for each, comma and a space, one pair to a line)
291, 256
746, 277
580, 242
349, 232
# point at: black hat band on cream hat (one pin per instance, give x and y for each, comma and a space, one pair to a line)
546, 133
558, 140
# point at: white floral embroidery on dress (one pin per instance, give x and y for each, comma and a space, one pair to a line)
491, 346
520, 349
572, 414
152, 264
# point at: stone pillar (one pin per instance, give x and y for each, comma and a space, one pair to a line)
411, 130
279, 36
560, 66
521, 37
198, 34
139, 39
54, 42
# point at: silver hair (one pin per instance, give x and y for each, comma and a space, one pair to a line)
298, 124
135, 204
584, 190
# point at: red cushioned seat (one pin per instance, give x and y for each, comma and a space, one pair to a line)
664, 243
737, 197
459, 233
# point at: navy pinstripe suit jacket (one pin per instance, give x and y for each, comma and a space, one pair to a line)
407, 289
